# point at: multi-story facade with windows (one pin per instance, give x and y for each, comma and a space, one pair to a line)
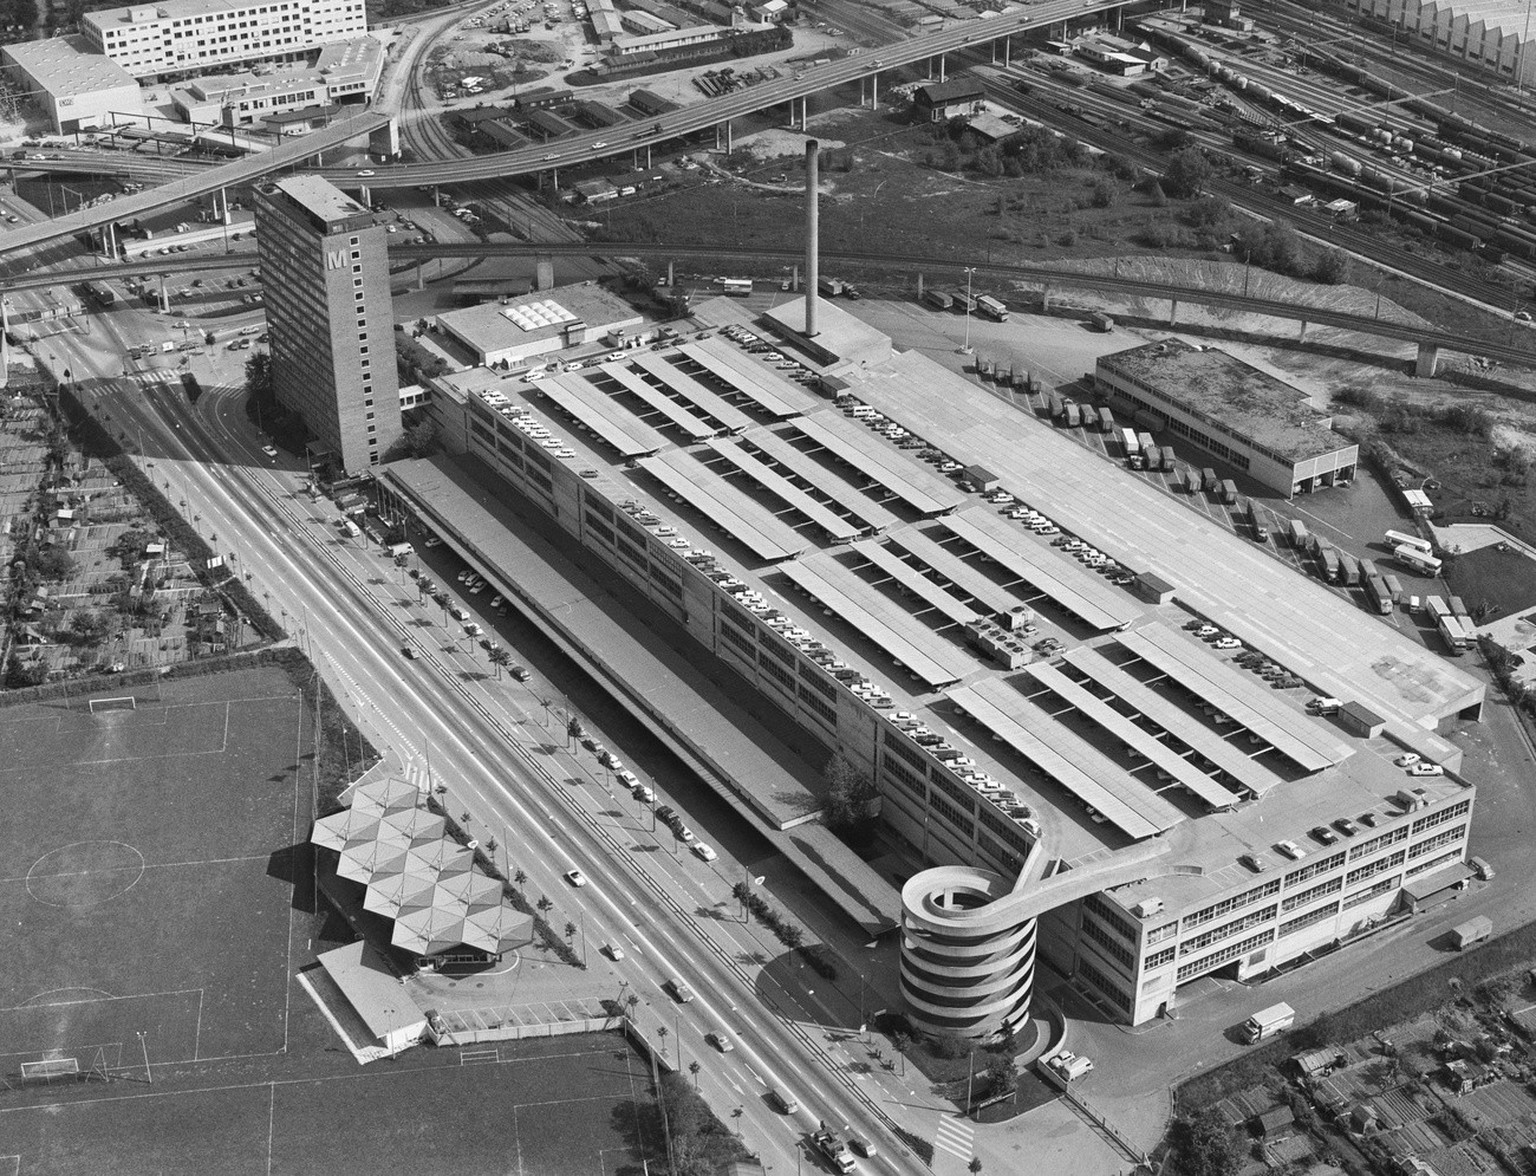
329, 313
190, 36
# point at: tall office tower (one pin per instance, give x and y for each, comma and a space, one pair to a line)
326, 275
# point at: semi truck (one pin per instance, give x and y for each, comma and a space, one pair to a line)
1268, 1022
1256, 521
1054, 406
1166, 458
835, 1151
1130, 442
1296, 533
1328, 561
1349, 569
1106, 420
1144, 439
989, 307
1378, 594
1394, 587
1458, 607
1228, 491
1208, 479
1074, 415
1464, 935
962, 301
828, 287
939, 300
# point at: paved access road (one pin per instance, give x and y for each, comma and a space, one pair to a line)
351, 610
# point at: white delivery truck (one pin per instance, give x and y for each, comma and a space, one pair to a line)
1268, 1022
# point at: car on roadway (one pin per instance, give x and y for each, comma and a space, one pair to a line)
409, 652
720, 1039
599, 145
680, 991
367, 172
863, 1146
551, 155
575, 877
704, 851
269, 450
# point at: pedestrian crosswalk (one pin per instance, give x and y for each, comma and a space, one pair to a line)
954, 1136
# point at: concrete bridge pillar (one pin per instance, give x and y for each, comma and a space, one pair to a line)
165, 299
1045, 299
1173, 312
5, 342
671, 275
943, 62
794, 278
1302, 337
874, 91
1428, 360
919, 287
421, 277
544, 273
1007, 52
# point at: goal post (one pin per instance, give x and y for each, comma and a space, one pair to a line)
127, 702
50, 1068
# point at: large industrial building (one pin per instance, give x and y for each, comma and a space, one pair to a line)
77, 88
1134, 804
1494, 35
1247, 418
514, 331
333, 339
180, 37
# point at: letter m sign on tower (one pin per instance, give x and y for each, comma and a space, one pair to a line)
335, 259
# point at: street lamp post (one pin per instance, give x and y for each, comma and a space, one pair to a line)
966, 346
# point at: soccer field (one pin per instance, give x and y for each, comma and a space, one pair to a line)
141, 865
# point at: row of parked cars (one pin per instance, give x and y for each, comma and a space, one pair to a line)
755, 345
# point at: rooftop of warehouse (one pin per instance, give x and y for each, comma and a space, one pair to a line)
494, 325
1213, 841
67, 66
1223, 389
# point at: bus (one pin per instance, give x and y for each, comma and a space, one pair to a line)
736, 287
1417, 559
99, 293
1401, 539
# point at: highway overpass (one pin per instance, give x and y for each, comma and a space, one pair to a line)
230, 175
1521, 352
564, 152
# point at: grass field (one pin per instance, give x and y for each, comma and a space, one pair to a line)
1505, 579
565, 1105
136, 866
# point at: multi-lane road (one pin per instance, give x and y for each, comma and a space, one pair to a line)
349, 607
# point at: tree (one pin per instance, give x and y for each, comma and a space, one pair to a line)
974, 1167
570, 931
849, 810
573, 728
499, 658
1187, 174
520, 877
89, 627
544, 903
790, 935
694, 1068
1203, 1145
1331, 267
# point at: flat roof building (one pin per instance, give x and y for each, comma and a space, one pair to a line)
345, 72
175, 37
1132, 803
514, 331
332, 328
79, 88
1247, 418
